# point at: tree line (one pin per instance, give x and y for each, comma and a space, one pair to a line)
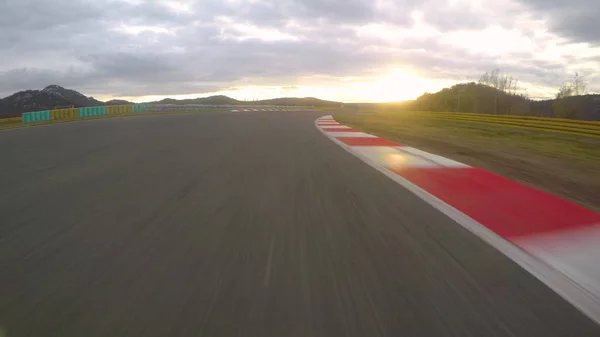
497, 93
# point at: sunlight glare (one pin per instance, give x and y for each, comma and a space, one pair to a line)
397, 86
395, 160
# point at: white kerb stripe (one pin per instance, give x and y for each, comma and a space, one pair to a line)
392, 157
352, 134
442, 161
576, 253
335, 126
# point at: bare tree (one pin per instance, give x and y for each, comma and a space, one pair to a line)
567, 107
498, 80
564, 91
575, 87
579, 85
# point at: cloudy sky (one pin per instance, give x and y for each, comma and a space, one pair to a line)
347, 50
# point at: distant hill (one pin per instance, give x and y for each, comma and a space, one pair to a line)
481, 98
306, 101
118, 102
224, 100
55, 96
216, 100
50, 97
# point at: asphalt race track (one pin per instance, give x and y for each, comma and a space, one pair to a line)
240, 224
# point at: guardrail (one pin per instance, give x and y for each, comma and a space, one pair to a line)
73, 113
175, 107
566, 126
93, 111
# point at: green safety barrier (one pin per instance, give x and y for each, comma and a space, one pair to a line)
82, 112
139, 108
36, 116
90, 111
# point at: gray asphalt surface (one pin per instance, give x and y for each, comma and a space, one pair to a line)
239, 224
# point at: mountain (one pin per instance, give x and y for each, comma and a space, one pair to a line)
224, 100
55, 96
306, 101
118, 102
73, 97
50, 97
216, 100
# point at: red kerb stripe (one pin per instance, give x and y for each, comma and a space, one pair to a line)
510, 209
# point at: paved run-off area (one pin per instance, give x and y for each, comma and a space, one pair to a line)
230, 224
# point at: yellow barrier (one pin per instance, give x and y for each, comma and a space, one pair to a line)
10, 119
118, 109
63, 114
114, 109
524, 122
561, 121
581, 128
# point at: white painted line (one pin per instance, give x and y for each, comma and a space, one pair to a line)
352, 134
442, 161
268, 267
574, 252
336, 127
563, 285
392, 157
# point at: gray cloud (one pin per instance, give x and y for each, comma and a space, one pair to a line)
577, 20
82, 44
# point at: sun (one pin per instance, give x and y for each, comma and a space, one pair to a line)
397, 86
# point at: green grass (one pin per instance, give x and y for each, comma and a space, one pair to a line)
10, 119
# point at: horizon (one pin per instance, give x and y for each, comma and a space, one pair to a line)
354, 51
200, 96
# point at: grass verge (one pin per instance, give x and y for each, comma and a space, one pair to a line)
10, 120
567, 167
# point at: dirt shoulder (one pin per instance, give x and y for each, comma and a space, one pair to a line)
566, 167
